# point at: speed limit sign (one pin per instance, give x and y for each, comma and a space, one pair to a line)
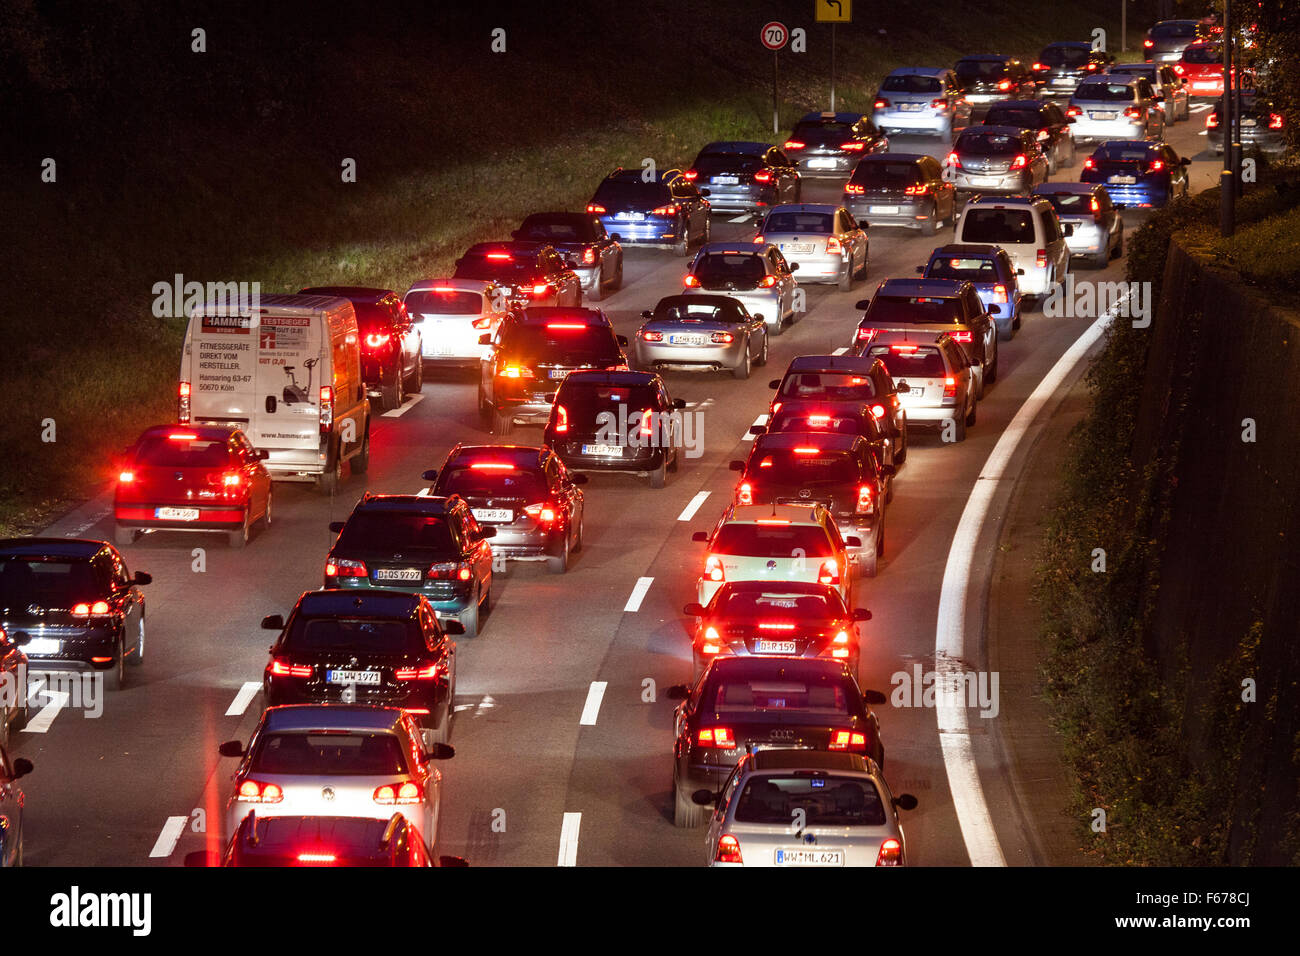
775, 36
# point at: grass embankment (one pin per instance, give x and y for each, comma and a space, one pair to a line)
225, 169
1123, 715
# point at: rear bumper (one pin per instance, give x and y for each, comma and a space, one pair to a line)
689, 356
633, 461
817, 267
1089, 129
1139, 194
990, 182
651, 231
740, 198
920, 121
454, 607
889, 212
211, 517
1089, 238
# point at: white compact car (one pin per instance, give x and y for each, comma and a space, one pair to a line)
1028, 228
452, 314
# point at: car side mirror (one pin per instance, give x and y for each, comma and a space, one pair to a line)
262, 454
706, 192
622, 340
199, 858
905, 801
440, 752
487, 532
700, 536
273, 622
853, 541
863, 304
140, 577
517, 234
1185, 161
902, 388
874, 697
579, 479
22, 767
704, 798
430, 474
452, 861
736, 465
337, 526
679, 403
1020, 272
757, 429
694, 610
485, 338
647, 314
570, 263
677, 692
775, 383
231, 748
889, 471
452, 627
794, 266
550, 398
1067, 229
920, 270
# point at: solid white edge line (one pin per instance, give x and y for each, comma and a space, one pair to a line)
405, 407
569, 828
972, 810
760, 420
590, 710
689, 511
638, 594
169, 837
242, 699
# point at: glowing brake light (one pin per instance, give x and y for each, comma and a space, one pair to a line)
1073, 111
1038, 66
1040, 258
543, 513
834, 246
326, 408
1000, 291
865, 334
232, 480
713, 568
891, 850
317, 858
649, 335
961, 335
1090, 67
647, 417
491, 466
728, 850
744, 495
1178, 68
1089, 163
881, 104
793, 144
1094, 206
90, 610
284, 668
1148, 44
1004, 84
398, 793
1020, 162
829, 573
716, 737
540, 289
345, 568
254, 791
565, 325
376, 339
690, 281
1212, 121
819, 421
126, 477
692, 174
1132, 112
561, 419
763, 176
595, 207
450, 570
669, 210
780, 521
775, 627
853, 189
807, 451
517, 371
954, 159
722, 338
425, 672
589, 256
500, 256
183, 402
877, 411
182, 436
1155, 166
855, 147
1275, 121
950, 387
712, 642
866, 500
917, 190
767, 282
847, 740
939, 104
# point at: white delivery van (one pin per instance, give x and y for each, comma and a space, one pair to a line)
288, 373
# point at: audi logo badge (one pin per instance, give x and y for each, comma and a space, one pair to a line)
781, 734
805, 493
327, 793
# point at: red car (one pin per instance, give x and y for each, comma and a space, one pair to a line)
776, 619
1202, 69
192, 478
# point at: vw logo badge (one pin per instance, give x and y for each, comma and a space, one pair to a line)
327, 793
805, 493
771, 565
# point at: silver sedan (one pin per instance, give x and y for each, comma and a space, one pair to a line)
755, 274
700, 332
825, 239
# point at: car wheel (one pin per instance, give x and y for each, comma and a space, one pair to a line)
484, 409
360, 462
1005, 332
762, 356
931, 227
390, 395
470, 620
686, 813
442, 733
900, 456
596, 291
846, 280
123, 536
328, 481
879, 755
416, 381
1100, 260
659, 476
862, 270
683, 245
708, 231
959, 430
239, 537
970, 416
137, 658
798, 191
991, 375
741, 371
116, 674
1119, 247
577, 541
502, 422
559, 563
618, 275
777, 329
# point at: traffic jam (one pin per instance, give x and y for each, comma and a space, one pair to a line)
766, 379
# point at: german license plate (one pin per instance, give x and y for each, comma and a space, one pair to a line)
177, 514
1061, 81
1102, 116
777, 647
605, 451
1246, 121
441, 348
43, 646
790, 857
821, 164
797, 248
985, 180
1123, 180
725, 180
398, 574
912, 393
882, 210
911, 107
557, 373
632, 216
493, 514
686, 340
352, 677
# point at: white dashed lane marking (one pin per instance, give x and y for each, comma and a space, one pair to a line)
167, 839
638, 594
689, 511
595, 694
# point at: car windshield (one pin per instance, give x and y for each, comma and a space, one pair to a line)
584, 402
549, 343
329, 754
507, 266
492, 479
907, 361
443, 302
321, 635
1203, 55
822, 132
806, 464
743, 267
914, 310
821, 694
396, 531
969, 71
545, 229
819, 799
772, 540
1171, 29
1024, 118
165, 452
1064, 56
818, 223
699, 307
886, 174
911, 83
1124, 152
974, 268
1104, 92
779, 605
1070, 204
831, 386
976, 143
47, 583
998, 226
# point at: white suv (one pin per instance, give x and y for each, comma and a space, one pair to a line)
1028, 229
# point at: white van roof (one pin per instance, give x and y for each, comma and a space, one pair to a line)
285, 302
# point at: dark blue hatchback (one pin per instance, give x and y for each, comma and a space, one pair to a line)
665, 209
1137, 173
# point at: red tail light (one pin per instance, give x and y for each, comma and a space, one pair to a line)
595, 207
429, 671
728, 850
1212, 121
1132, 112
540, 289
877, 411
389, 794
1073, 111
939, 104
345, 568
1020, 162
254, 791
854, 147
1000, 293
284, 668
720, 737
647, 417
1094, 205
126, 477
866, 500
671, 209
1274, 120
767, 282
1155, 166
691, 175
317, 859
954, 160
848, 740
543, 513
589, 256
918, 190
690, 281
949, 387
962, 335
853, 189
891, 850
1041, 259
840, 644
326, 408
501, 256
233, 480
829, 572
763, 176
881, 104
1178, 68
183, 403
1004, 84
713, 568
793, 144
482, 322
450, 571
491, 466
722, 338
834, 246
561, 419
649, 335
516, 371
712, 642
1089, 163
377, 339
865, 334
98, 609
744, 496
1090, 67
1038, 66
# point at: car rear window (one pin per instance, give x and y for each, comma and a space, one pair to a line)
911, 83
737, 695
372, 317
780, 605
395, 531
321, 635
824, 800
772, 540
443, 302
998, 226
700, 307
1168, 30
548, 343
1067, 204
1148, 72
1024, 118
555, 230
807, 464
1064, 56
830, 386
716, 164
1202, 54
492, 480
329, 754
1104, 92
584, 401
822, 132
969, 71
744, 267
1120, 152
886, 174
906, 361
50, 584
507, 266
820, 223
974, 142
974, 268
617, 194
163, 452
914, 310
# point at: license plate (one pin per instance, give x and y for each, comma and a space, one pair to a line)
441, 349
493, 514
1061, 81
686, 340
820, 164
352, 677
798, 248
43, 645
1103, 116
725, 180
882, 210
177, 514
1247, 122
914, 392
633, 216
911, 107
557, 373
398, 574
607, 451
786, 857
777, 647
1122, 180
985, 180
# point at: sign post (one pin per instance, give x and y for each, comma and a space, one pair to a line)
833, 12
775, 36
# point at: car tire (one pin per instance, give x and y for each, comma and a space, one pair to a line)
618, 275
360, 462
471, 620
683, 245
502, 422
931, 227
328, 481
777, 329
390, 395
862, 270
1118, 252
798, 191
1100, 260
900, 456
879, 755
686, 813
596, 291
991, 374
762, 356
123, 536
239, 538
1005, 334
265, 521
484, 409
559, 563
137, 658
415, 383
959, 428
741, 371
845, 283
115, 676
970, 416
659, 476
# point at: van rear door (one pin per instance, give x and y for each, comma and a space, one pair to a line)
220, 365
291, 368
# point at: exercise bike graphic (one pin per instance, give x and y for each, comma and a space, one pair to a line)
292, 393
